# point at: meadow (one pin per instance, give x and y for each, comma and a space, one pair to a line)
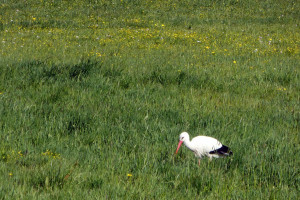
94, 95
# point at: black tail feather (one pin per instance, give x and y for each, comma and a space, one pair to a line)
224, 150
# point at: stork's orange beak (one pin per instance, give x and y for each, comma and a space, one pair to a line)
179, 144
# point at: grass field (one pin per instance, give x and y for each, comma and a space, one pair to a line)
94, 94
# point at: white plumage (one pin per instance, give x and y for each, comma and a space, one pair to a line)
204, 146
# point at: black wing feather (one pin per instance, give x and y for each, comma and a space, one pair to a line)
224, 150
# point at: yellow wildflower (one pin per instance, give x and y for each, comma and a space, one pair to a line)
234, 62
20, 153
129, 175
282, 89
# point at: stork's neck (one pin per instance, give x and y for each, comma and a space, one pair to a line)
189, 144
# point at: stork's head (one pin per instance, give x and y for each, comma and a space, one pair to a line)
184, 136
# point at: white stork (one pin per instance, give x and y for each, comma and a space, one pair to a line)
204, 146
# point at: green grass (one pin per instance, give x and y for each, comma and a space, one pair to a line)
92, 91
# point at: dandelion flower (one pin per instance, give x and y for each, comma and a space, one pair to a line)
282, 89
10, 174
20, 153
234, 62
129, 175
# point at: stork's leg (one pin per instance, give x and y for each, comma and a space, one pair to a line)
199, 162
210, 158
